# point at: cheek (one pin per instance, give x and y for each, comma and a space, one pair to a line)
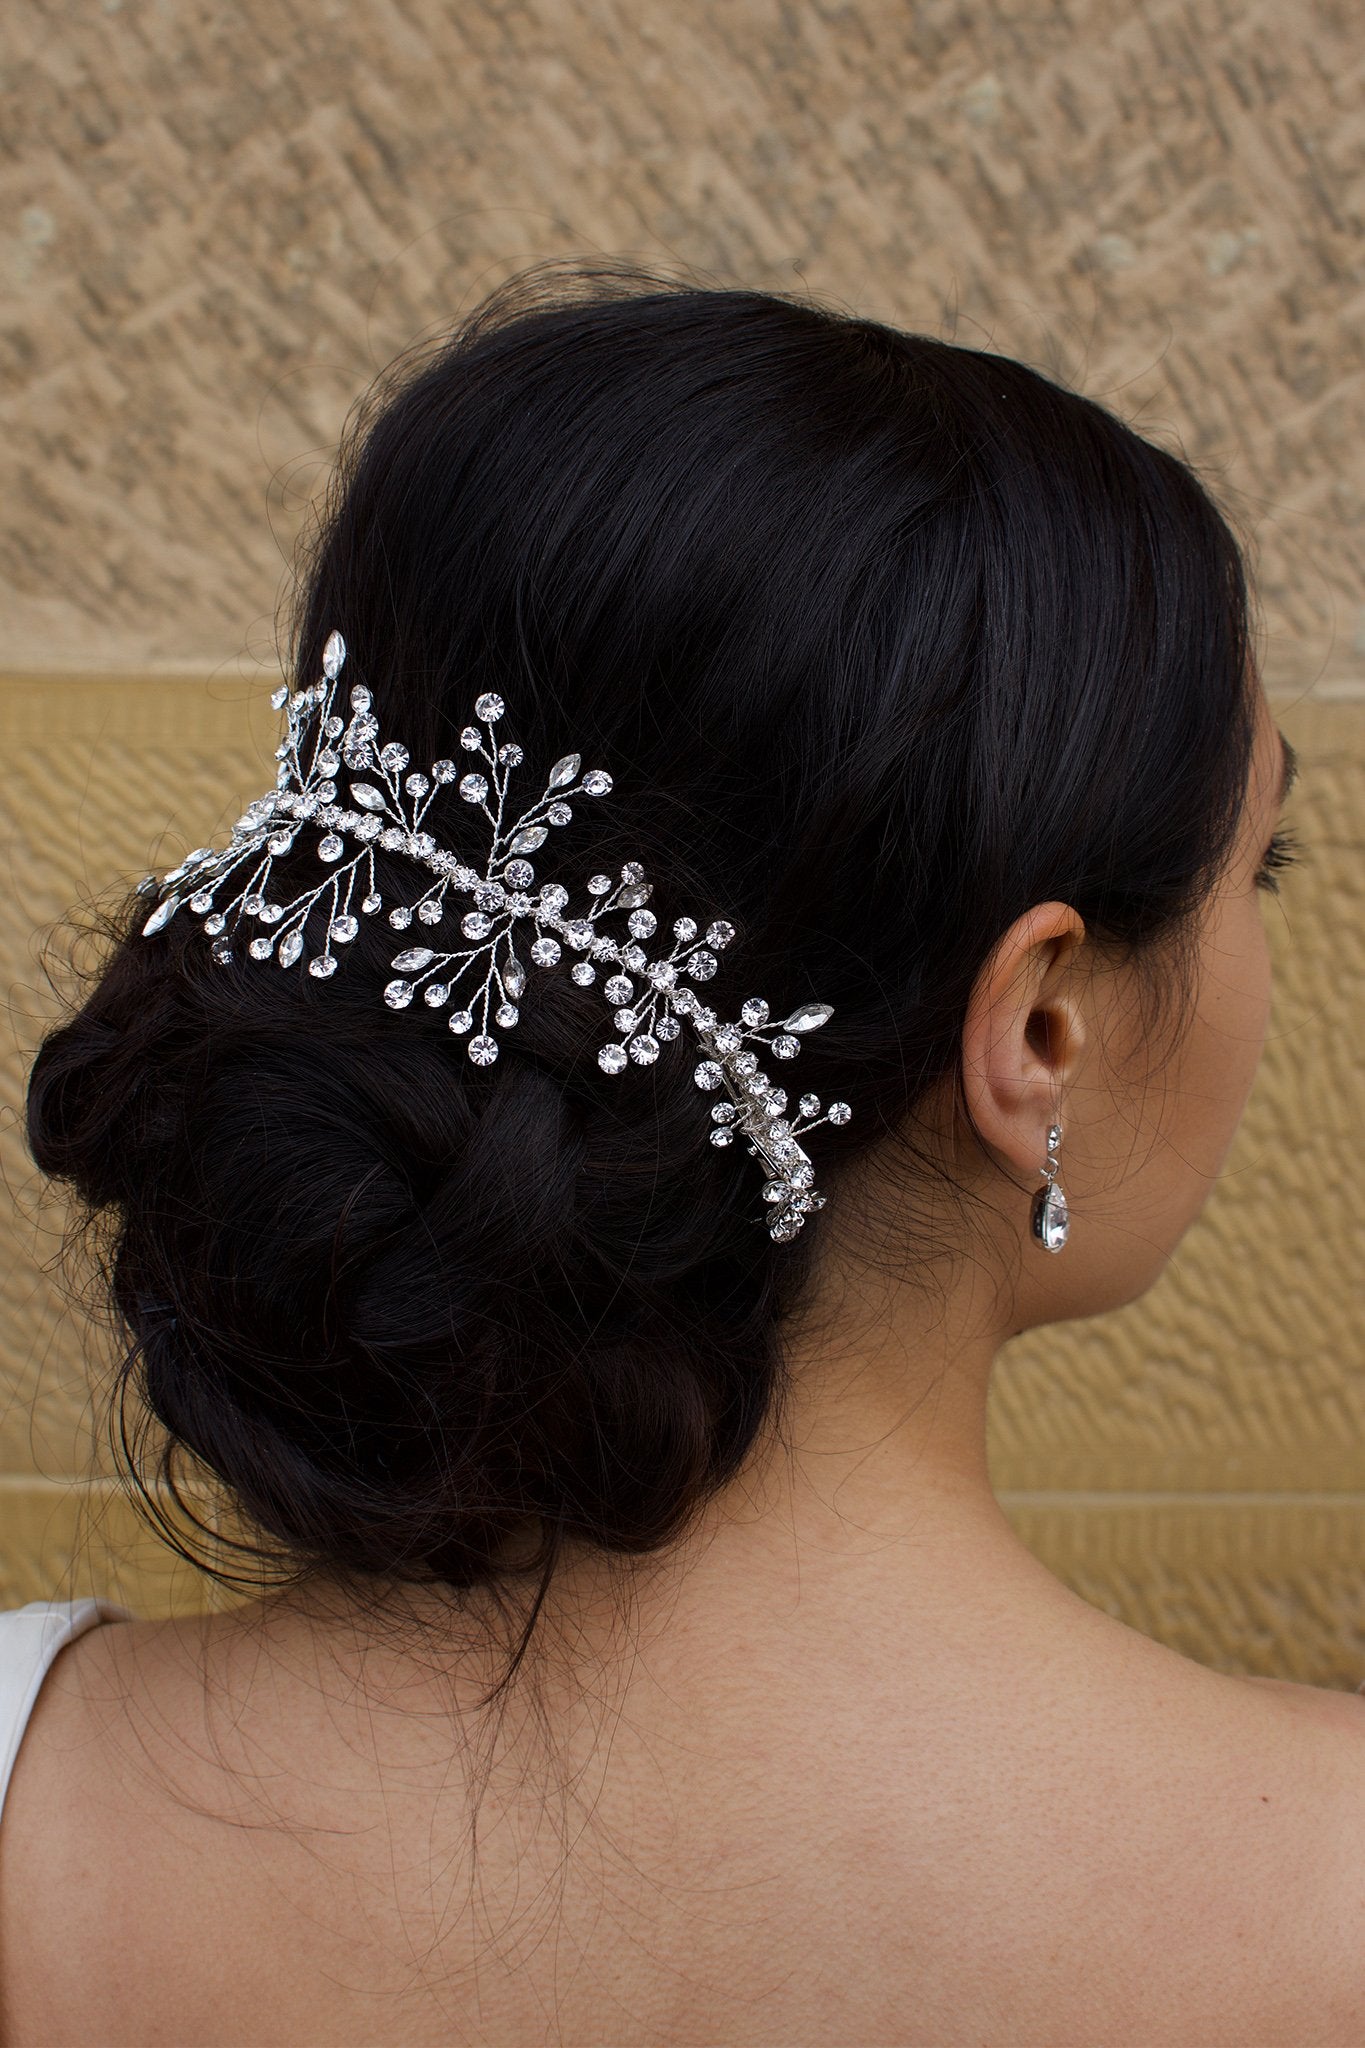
1218, 1062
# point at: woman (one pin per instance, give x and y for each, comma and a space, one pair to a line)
643, 1656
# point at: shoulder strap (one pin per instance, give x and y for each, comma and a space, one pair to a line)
30, 1638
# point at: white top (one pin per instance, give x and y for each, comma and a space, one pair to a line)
30, 1638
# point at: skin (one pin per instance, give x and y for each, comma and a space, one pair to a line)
848, 1764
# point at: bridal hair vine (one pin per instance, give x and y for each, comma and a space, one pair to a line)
647, 1017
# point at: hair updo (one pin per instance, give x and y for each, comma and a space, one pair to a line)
884, 640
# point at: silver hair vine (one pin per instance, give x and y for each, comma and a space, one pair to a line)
389, 811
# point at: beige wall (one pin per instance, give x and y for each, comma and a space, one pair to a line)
217, 226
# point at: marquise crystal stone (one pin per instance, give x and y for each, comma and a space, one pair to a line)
1051, 1221
162, 915
808, 1017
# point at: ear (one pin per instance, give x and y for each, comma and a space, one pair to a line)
1023, 1034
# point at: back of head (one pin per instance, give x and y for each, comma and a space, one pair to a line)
884, 640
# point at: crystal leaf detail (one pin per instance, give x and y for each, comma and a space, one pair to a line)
808, 1017
367, 796
333, 655
291, 945
415, 956
161, 916
528, 839
565, 770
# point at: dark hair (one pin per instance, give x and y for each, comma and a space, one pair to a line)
884, 640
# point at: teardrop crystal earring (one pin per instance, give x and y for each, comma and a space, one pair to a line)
1051, 1221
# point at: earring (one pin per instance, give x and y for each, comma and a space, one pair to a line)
1051, 1222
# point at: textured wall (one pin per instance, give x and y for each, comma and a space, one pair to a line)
216, 224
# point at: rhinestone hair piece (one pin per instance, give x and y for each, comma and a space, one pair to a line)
648, 996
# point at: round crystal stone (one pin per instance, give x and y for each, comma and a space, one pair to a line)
471, 739
473, 788
460, 1020
222, 951
702, 965
597, 782
261, 949
644, 1048
506, 1014
401, 917
322, 966
558, 814
483, 1050
618, 989
786, 1047
545, 952
429, 910
443, 770
344, 928
707, 1074
625, 1020
398, 994
521, 874
583, 972
394, 757
728, 1039
684, 928
720, 933
374, 901
435, 993
839, 1112
667, 1028
416, 784
809, 1105
723, 1112
475, 925
215, 923
489, 706
598, 885
755, 1011
642, 924
553, 897
511, 753
330, 847
611, 1058
201, 901
722, 1135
